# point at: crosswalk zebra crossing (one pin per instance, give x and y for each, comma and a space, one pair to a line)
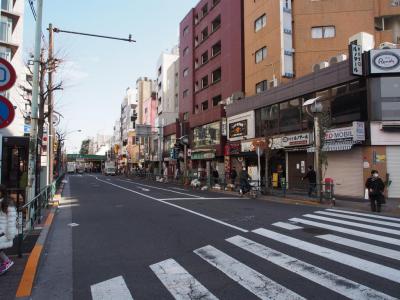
346, 240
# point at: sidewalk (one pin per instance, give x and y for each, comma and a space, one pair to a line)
12, 281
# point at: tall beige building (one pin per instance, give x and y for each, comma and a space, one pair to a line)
144, 88
285, 39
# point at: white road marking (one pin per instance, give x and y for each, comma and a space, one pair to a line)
336, 283
364, 214
179, 282
362, 234
158, 188
361, 246
385, 223
144, 190
176, 206
343, 258
113, 289
287, 226
73, 224
255, 282
354, 224
202, 198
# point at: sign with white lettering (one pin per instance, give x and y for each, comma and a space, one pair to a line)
384, 61
395, 3
296, 140
356, 62
354, 133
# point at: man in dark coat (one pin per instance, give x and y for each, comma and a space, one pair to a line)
312, 180
375, 188
233, 175
244, 182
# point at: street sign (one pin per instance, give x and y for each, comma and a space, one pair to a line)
7, 75
7, 112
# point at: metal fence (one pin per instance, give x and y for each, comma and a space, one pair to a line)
30, 213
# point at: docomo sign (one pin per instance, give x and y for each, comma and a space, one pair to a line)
385, 61
355, 133
7, 75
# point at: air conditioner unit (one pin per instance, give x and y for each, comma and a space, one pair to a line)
387, 45
323, 64
333, 60
237, 96
364, 39
341, 57
316, 68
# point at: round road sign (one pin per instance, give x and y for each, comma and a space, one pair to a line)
7, 112
7, 75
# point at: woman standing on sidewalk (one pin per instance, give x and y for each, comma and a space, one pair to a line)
8, 229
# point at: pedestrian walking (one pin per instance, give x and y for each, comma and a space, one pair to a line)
215, 175
312, 180
375, 188
244, 182
233, 175
8, 229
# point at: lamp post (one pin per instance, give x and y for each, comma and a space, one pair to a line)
315, 111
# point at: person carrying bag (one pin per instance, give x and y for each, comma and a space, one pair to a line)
376, 189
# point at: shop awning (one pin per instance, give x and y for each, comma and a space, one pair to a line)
337, 146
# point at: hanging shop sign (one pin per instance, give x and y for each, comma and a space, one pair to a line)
296, 140
251, 145
238, 129
223, 126
356, 62
383, 61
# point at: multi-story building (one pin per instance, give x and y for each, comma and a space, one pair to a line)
11, 35
211, 70
284, 39
168, 86
144, 88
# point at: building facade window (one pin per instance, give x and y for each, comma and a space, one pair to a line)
5, 53
215, 2
323, 32
186, 51
185, 30
261, 54
5, 29
216, 75
207, 135
204, 10
216, 49
204, 34
185, 93
260, 23
186, 116
6, 5
204, 105
216, 23
217, 100
261, 86
204, 82
204, 58
290, 115
185, 72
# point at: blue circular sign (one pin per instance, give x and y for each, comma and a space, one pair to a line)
7, 112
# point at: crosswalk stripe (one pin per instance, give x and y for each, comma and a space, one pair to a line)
336, 283
362, 234
354, 224
255, 282
361, 246
111, 289
358, 218
179, 282
364, 214
343, 258
287, 226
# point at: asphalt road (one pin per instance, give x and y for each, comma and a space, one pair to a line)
115, 238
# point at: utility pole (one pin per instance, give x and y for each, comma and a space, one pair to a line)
51, 65
317, 157
34, 106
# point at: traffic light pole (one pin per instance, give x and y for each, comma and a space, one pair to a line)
34, 105
50, 106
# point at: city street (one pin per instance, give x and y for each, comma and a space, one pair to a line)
116, 238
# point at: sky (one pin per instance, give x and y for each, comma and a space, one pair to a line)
97, 72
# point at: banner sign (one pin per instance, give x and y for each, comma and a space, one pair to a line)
356, 62
383, 61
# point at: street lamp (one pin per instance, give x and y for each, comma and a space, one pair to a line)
316, 108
